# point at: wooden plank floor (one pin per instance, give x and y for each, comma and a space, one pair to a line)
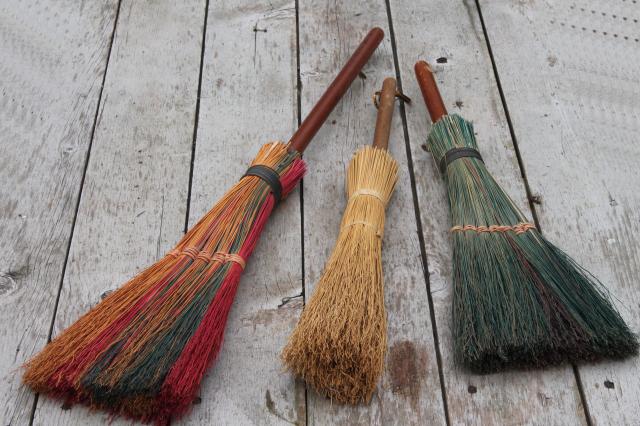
123, 121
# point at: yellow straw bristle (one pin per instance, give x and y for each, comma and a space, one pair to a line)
340, 342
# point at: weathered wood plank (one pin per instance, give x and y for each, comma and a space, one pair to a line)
133, 204
249, 99
410, 391
454, 34
573, 101
53, 60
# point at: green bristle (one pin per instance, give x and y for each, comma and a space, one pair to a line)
517, 299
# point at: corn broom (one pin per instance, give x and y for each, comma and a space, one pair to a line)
518, 300
339, 344
143, 351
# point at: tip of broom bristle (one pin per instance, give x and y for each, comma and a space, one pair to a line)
342, 379
493, 363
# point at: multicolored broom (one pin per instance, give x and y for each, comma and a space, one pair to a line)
517, 299
143, 351
340, 342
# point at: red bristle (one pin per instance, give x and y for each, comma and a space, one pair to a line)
182, 382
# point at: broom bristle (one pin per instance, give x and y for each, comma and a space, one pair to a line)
517, 299
339, 344
143, 351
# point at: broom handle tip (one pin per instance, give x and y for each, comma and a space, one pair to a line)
385, 106
335, 91
430, 92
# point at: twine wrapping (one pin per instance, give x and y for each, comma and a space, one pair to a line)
365, 192
207, 256
518, 228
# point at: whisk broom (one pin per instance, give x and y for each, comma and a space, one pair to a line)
517, 299
339, 344
143, 351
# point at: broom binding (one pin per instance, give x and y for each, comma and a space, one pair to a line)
369, 192
194, 254
269, 176
455, 154
518, 228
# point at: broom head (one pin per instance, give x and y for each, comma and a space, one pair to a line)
339, 344
517, 299
143, 351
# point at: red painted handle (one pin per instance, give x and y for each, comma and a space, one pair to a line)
335, 91
430, 92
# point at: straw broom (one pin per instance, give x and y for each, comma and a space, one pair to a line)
340, 342
517, 299
143, 351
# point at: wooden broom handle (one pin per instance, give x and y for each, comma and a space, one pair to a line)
385, 113
430, 91
335, 91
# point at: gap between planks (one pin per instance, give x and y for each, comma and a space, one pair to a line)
416, 206
79, 196
197, 115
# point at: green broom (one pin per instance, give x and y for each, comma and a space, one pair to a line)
518, 300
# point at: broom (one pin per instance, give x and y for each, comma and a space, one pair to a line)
339, 344
518, 301
143, 351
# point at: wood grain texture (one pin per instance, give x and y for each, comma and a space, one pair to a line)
134, 201
454, 44
248, 99
573, 101
409, 392
53, 60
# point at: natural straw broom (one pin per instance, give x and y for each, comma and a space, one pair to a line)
143, 351
517, 299
339, 344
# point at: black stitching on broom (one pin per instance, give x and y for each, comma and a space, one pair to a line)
457, 153
269, 176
